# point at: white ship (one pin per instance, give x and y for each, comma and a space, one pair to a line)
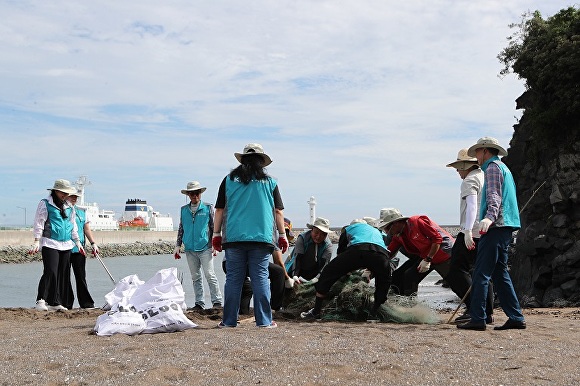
139, 215
99, 220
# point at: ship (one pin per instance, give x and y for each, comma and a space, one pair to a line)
98, 219
140, 216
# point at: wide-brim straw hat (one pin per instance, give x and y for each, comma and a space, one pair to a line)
254, 148
63, 186
370, 220
77, 193
389, 216
321, 223
288, 229
463, 161
192, 187
486, 142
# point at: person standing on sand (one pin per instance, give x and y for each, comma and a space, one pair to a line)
498, 218
196, 223
55, 234
249, 209
360, 246
465, 247
78, 260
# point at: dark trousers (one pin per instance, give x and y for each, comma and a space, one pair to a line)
54, 285
277, 279
78, 263
354, 258
406, 278
459, 277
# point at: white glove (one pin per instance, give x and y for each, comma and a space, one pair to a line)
468, 238
34, 247
314, 280
366, 275
484, 225
424, 266
289, 283
296, 280
80, 247
95, 248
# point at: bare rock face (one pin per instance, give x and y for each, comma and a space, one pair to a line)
545, 263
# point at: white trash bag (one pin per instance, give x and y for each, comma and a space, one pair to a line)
123, 290
159, 303
122, 320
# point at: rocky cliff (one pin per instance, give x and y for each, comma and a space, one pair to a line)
545, 264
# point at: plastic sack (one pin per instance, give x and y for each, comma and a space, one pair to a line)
123, 290
164, 285
164, 316
122, 320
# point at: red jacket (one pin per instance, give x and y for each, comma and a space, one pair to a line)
418, 236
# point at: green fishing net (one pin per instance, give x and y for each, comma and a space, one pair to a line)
351, 299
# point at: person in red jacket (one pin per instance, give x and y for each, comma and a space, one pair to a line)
426, 244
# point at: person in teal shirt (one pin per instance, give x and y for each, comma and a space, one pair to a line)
195, 230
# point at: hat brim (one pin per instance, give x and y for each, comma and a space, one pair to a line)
455, 164
64, 190
320, 228
265, 157
382, 224
472, 149
185, 191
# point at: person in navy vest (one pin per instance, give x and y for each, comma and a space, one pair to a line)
249, 217
360, 245
55, 234
499, 217
195, 227
78, 260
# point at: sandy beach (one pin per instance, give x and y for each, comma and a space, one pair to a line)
59, 348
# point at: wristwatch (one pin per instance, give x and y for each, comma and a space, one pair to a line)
429, 259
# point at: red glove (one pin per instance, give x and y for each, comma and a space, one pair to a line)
176, 253
283, 243
216, 243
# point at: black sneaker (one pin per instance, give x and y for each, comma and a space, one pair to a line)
463, 318
310, 315
512, 324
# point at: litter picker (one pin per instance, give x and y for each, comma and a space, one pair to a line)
106, 269
460, 303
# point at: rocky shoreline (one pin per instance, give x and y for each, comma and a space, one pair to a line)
19, 254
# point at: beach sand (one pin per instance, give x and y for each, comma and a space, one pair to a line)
59, 348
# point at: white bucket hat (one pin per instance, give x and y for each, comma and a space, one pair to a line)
77, 193
358, 221
463, 162
193, 186
486, 142
370, 220
321, 223
63, 186
388, 216
254, 148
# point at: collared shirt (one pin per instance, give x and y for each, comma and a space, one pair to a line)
494, 183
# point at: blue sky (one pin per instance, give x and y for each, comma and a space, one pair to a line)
360, 104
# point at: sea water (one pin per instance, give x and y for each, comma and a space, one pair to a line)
19, 282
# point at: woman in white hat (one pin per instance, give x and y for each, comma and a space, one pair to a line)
194, 232
465, 247
249, 210
55, 233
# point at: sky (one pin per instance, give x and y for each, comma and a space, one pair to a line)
360, 104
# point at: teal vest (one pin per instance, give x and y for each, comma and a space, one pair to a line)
249, 215
509, 215
81, 219
360, 233
196, 227
307, 242
56, 227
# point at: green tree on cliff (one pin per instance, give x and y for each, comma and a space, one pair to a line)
546, 54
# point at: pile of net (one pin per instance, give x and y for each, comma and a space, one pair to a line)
351, 299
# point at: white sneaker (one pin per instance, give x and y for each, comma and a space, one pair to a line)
41, 305
57, 308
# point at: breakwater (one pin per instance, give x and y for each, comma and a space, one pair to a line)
14, 244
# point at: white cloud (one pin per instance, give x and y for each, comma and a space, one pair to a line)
359, 103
